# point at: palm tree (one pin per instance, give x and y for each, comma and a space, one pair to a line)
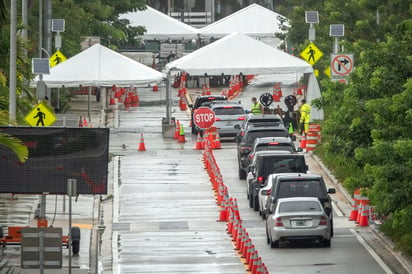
14, 144
3, 12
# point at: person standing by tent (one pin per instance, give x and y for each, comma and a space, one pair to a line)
256, 107
304, 116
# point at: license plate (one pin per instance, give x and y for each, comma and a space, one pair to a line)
300, 223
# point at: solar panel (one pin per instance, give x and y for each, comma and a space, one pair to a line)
312, 17
57, 25
337, 30
40, 65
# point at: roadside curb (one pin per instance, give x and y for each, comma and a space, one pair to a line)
373, 228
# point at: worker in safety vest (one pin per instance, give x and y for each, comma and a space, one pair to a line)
304, 116
256, 107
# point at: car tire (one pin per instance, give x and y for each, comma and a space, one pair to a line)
75, 247
250, 201
267, 235
242, 174
255, 204
331, 228
273, 244
326, 243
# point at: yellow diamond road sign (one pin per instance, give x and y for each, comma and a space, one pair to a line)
57, 58
311, 54
41, 116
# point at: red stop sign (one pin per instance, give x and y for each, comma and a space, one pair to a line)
204, 117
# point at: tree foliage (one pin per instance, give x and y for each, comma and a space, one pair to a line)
367, 131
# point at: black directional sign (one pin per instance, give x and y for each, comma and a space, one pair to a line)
341, 64
266, 99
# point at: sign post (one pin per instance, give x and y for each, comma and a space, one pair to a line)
204, 117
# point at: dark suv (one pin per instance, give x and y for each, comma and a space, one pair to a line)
246, 139
203, 101
272, 143
267, 162
300, 185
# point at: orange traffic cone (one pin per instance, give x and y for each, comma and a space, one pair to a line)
182, 104
155, 88
177, 131
182, 138
85, 122
302, 144
80, 122
217, 142
364, 219
198, 145
142, 147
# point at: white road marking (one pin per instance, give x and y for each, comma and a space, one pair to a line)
372, 252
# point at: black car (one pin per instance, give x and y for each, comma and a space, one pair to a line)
272, 143
268, 162
301, 185
203, 101
246, 139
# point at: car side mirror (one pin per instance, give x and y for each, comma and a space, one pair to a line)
331, 191
328, 210
247, 111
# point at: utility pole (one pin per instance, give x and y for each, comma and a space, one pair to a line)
13, 58
40, 42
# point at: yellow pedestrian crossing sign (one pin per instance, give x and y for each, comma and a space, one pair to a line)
41, 116
327, 72
311, 54
57, 58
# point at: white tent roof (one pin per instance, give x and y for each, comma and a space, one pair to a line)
239, 53
159, 25
254, 20
100, 66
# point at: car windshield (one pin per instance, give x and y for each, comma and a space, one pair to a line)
252, 135
301, 188
229, 111
299, 206
285, 164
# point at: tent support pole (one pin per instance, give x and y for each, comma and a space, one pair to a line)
168, 100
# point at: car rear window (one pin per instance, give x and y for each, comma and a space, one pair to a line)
301, 188
280, 147
229, 111
299, 206
284, 164
252, 135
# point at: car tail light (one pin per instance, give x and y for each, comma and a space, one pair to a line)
241, 118
260, 179
278, 222
268, 191
217, 119
323, 220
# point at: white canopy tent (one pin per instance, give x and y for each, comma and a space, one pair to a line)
102, 67
159, 26
238, 53
254, 20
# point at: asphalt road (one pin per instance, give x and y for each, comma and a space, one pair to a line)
165, 215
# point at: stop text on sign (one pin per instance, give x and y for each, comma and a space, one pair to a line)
204, 117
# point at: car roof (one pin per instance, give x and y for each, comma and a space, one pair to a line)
298, 176
273, 139
273, 153
224, 104
278, 127
263, 117
299, 199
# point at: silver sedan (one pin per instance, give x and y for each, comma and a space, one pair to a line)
298, 218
